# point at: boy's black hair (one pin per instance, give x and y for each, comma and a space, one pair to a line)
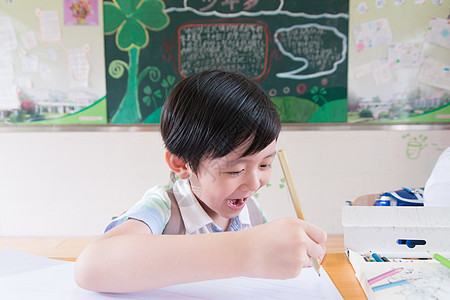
211, 113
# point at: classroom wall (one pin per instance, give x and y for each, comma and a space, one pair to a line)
71, 182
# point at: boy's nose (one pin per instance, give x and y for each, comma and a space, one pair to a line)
251, 182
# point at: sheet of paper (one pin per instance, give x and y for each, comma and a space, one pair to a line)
8, 40
406, 55
372, 34
8, 92
49, 25
435, 73
30, 63
381, 72
48, 279
438, 32
29, 40
78, 66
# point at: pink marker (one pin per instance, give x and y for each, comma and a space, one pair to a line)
384, 275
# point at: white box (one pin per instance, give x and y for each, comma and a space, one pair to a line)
378, 228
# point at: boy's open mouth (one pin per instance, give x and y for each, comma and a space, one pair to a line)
236, 204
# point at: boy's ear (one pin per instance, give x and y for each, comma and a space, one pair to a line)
177, 165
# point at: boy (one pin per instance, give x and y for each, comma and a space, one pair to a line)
220, 131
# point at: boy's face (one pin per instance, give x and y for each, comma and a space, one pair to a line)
223, 185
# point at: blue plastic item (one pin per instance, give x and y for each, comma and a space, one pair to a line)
403, 197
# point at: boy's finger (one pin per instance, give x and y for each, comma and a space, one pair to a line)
315, 233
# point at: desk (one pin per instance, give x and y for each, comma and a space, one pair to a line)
335, 261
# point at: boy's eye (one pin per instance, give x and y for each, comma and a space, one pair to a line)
235, 172
266, 166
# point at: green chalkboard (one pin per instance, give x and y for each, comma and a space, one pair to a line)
295, 50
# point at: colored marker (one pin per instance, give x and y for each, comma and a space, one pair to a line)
442, 260
377, 257
392, 284
384, 275
385, 259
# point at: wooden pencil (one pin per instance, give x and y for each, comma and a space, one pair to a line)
294, 196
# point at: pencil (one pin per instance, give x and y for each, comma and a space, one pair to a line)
384, 275
391, 284
294, 196
442, 260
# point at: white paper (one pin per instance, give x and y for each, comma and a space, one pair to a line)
362, 8
434, 73
381, 71
406, 55
30, 63
78, 65
29, 40
372, 34
8, 40
46, 73
33, 277
24, 82
438, 32
8, 90
49, 24
380, 3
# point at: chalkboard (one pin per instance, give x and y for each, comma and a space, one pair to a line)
295, 50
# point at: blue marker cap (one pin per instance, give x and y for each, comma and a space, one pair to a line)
377, 257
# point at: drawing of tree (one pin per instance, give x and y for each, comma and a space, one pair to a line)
130, 20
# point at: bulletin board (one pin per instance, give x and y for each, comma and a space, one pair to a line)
52, 62
295, 50
399, 61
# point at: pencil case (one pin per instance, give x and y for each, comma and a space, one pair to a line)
403, 197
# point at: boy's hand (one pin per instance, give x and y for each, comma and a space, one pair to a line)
280, 249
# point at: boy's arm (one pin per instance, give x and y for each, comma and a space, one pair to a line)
129, 258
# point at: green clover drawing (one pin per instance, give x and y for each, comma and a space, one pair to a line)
131, 19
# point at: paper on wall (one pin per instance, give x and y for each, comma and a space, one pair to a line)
372, 34
78, 66
46, 73
8, 92
30, 63
362, 8
24, 82
438, 32
381, 71
49, 25
406, 55
435, 73
29, 40
380, 3
8, 40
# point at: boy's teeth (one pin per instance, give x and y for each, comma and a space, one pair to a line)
237, 201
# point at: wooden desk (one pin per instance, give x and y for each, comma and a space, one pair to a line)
335, 262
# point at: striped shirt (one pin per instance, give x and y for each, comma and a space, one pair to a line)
154, 209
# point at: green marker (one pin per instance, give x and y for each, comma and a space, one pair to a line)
442, 260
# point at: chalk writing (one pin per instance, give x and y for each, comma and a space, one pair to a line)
237, 47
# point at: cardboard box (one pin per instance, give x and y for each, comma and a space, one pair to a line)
383, 229
378, 229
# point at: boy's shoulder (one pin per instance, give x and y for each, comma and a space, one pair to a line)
156, 193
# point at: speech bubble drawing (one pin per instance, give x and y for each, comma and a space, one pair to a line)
320, 48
